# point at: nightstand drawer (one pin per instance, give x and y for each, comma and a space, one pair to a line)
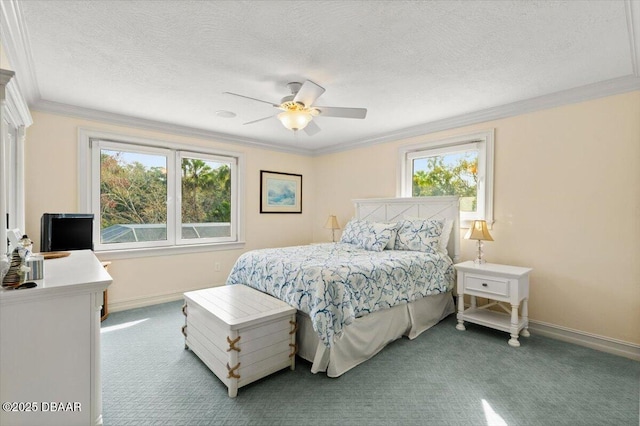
489, 286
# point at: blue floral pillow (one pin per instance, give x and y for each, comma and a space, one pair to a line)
371, 236
447, 227
419, 235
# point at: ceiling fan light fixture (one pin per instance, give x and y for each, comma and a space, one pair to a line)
295, 119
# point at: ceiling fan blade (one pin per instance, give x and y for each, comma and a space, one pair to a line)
260, 119
308, 93
311, 128
341, 112
253, 99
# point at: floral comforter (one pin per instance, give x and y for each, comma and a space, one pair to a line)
336, 283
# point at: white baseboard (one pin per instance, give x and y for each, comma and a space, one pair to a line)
593, 341
140, 302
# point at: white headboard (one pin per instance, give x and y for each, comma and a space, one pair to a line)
395, 209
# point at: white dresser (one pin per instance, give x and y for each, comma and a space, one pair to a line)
50, 345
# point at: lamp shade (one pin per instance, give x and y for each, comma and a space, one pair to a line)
294, 119
332, 223
478, 231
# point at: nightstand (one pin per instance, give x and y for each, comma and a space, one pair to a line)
502, 284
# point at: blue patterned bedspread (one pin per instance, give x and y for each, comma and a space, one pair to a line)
336, 283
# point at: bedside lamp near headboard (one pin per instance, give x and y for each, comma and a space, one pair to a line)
332, 223
479, 231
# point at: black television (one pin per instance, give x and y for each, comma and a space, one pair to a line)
66, 231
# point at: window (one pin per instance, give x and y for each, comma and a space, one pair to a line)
154, 195
461, 166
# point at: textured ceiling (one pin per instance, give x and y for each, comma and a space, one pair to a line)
409, 63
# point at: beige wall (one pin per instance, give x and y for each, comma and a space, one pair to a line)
51, 186
566, 203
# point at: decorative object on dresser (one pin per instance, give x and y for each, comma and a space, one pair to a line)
332, 223
500, 284
15, 274
18, 268
479, 231
280, 192
241, 334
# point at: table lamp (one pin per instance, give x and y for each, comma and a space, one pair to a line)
332, 223
478, 231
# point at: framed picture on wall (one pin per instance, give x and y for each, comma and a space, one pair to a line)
280, 192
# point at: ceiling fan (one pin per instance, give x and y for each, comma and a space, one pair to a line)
298, 109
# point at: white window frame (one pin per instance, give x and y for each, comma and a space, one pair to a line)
15, 119
483, 141
90, 142
178, 211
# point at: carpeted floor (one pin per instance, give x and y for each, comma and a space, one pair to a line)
444, 377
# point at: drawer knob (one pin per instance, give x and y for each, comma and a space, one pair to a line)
485, 285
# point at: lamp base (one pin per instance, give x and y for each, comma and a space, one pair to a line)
479, 260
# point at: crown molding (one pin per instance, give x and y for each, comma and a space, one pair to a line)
580, 94
125, 120
6, 76
632, 9
15, 39
17, 111
601, 89
17, 107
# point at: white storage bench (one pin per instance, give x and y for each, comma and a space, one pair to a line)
241, 334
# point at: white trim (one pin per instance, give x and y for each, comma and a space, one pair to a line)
168, 250
233, 167
580, 338
632, 10
86, 185
85, 133
589, 340
97, 146
15, 39
486, 162
16, 118
19, 196
580, 94
140, 302
172, 129
17, 106
601, 89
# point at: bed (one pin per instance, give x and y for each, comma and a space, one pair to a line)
391, 275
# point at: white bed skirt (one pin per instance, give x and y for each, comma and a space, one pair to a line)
366, 336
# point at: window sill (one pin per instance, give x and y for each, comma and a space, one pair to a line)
166, 251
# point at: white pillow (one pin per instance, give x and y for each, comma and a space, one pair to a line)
446, 234
392, 241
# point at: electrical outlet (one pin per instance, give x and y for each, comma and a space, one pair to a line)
216, 266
